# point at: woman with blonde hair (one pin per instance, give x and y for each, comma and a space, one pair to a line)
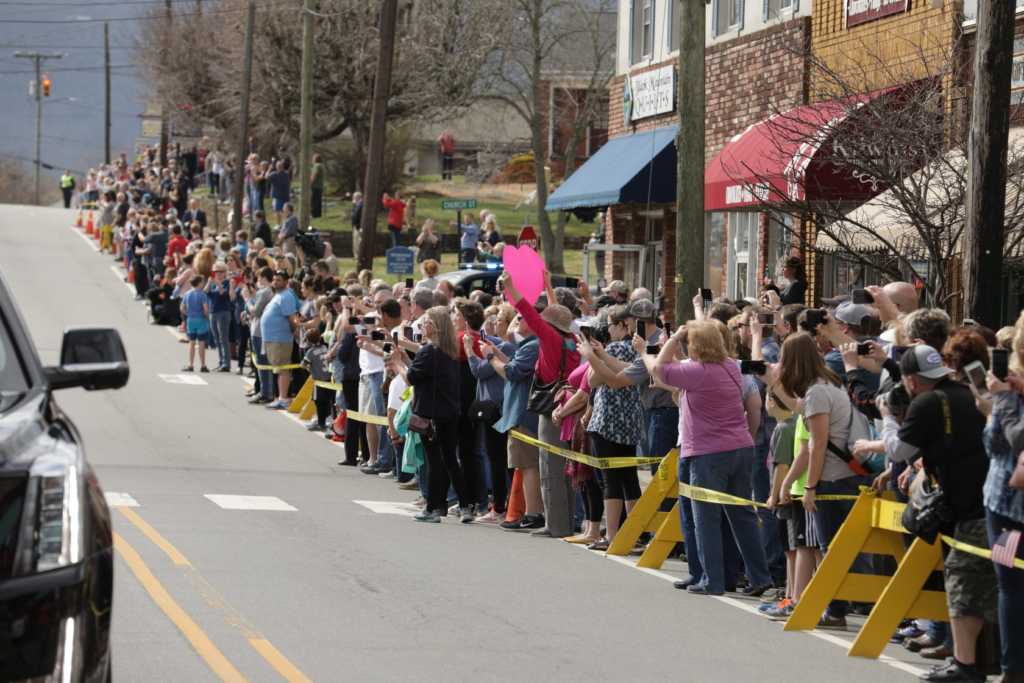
434, 376
204, 261
716, 441
365, 278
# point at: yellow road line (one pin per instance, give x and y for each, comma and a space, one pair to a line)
153, 535
277, 660
202, 644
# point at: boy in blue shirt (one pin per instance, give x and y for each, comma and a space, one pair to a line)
221, 296
195, 309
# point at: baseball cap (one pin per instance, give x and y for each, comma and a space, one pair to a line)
833, 302
925, 361
853, 314
643, 309
617, 286
281, 273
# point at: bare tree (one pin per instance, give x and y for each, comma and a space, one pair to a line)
558, 42
903, 146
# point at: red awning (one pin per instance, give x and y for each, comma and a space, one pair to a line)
774, 159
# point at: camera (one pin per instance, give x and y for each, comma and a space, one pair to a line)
753, 367
897, 400
863, 348
378, 335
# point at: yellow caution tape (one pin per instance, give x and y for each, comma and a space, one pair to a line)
709, 496
352, 414
275, 368
975, 550
323, 384
598, 463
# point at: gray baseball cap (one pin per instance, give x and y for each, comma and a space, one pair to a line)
925, 361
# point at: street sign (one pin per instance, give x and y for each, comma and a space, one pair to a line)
458, 204
401, 261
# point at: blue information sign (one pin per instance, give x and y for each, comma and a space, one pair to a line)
401, 261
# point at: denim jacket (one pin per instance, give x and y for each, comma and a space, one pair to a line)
519, 375
1004, 440
489, 384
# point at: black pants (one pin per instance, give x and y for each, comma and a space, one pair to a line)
67, 191
620, 483
242, 345
447, 163
317, 204
141, 278
443, 466
496, 444
323, 398
469, 459
593, 500
355, 432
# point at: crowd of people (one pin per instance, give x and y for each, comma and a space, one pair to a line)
766, 400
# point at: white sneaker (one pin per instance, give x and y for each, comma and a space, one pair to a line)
386, 475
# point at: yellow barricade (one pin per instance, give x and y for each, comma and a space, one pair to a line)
352, 414
873, 526
598, 463
647, 515
303, 399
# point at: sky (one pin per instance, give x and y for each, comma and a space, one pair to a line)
72, 128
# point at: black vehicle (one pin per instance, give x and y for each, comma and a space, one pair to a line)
473, 276
56, 550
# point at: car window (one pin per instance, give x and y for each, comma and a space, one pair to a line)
13, 380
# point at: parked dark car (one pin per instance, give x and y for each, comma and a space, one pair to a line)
471, 277
56, 554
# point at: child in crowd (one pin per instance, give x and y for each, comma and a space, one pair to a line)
782, 445
319, 369
195, 308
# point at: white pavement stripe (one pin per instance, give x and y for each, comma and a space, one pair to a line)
120, 500
173, 331
119, 274
88, 240
232, 502
827, 637
383, 507
183, 379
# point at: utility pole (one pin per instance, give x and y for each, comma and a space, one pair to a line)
164, 123
106, 68
306, 128
378, 132
243, 123
983, 237
689, 265
38, 58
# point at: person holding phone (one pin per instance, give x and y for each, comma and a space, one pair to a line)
1004, 504
796, 282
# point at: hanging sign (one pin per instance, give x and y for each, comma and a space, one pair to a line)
652, 93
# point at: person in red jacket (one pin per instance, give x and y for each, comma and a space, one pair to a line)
396, 216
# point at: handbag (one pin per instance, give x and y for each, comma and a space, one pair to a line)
542, 395
1017, 476
484, 410
929, 512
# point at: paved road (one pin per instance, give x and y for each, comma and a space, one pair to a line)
329, 590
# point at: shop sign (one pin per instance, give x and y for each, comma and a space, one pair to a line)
862, 11
651, 93
746, 194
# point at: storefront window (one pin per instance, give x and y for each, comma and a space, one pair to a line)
780, 239
714, 251
742, 261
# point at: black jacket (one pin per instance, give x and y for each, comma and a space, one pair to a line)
262, 231
434, 376
199, 216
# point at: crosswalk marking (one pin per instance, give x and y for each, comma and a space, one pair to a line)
183, 379
233, 502
384, 507
116, 499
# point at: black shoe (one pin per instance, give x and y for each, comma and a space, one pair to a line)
374, 469
204, 369
258, 400
685, 583
755, 591
700, 589
953, 671
348, 463
527, 523
222, 369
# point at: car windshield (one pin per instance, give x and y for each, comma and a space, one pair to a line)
13, 380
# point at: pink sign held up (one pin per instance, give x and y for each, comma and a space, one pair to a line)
526, 268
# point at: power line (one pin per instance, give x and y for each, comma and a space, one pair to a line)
71, 68
90, 20
57, 46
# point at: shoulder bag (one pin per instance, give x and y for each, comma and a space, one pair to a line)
542, 395
929, 512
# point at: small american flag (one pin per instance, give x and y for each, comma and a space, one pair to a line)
1004, 550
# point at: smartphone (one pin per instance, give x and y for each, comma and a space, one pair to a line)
378, 335
668, 329
706, 296
585, 331
862, 296
572, 282
753, 367
653, 349
387, 347
419, 338
863, 348
394, 335
896, 352
766, 319
975, 372
409, 283
369, 320
407, 330
354, 320
1001, 363
641, 328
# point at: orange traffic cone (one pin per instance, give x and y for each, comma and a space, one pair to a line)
131, 276
516, 499
88, 224
78, 223
338, 428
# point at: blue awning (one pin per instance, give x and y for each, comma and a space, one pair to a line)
621, 173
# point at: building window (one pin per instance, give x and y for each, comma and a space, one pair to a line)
728, 16
780, 240
643, 30
714, 251
742, 260
773, 9
673, 26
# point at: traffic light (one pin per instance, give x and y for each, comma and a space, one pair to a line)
46, 85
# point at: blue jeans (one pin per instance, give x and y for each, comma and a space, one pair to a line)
829, 517
1011, 600
396, 236
266, 376
371, 401
662, 433
728, 472
221, 328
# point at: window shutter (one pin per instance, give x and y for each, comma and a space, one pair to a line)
715, 9
764, 11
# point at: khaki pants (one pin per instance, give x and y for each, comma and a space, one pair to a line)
555, 488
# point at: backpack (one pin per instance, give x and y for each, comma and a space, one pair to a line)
859, 430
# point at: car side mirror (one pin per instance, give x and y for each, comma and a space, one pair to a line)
92, 358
